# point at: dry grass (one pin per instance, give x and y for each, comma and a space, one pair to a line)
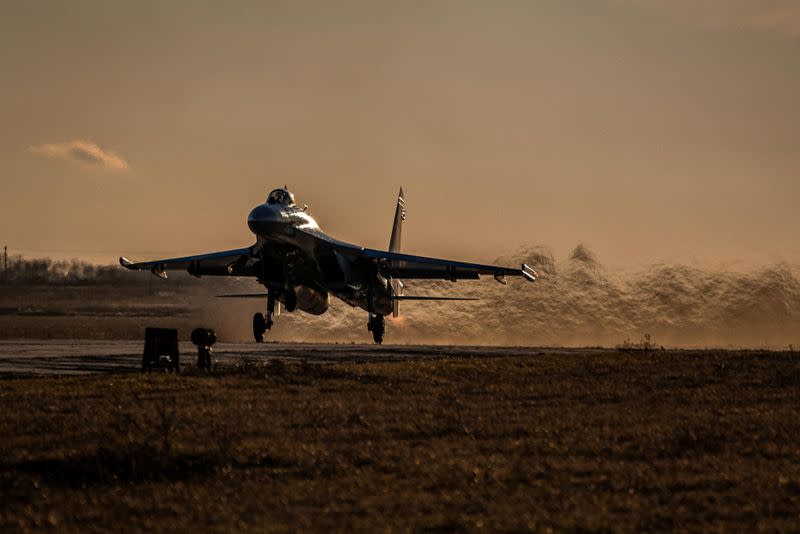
657, 441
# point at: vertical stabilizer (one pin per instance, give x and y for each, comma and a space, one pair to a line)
397, 225
394, 246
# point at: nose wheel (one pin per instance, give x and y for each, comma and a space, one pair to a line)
377, 325
259, 327
260, 323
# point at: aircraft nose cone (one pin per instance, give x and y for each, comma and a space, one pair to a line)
264, 218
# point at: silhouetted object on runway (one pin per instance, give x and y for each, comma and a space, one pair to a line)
204, 338
301, 266
161, 350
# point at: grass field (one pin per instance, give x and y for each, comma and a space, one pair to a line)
639, 441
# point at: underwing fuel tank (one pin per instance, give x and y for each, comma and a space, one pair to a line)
311, 300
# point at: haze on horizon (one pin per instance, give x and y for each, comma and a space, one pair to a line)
649, 130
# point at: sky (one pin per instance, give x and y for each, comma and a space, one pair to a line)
649, 130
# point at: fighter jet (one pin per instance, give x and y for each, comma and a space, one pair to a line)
300, 266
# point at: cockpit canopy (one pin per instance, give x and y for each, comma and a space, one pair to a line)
281, 196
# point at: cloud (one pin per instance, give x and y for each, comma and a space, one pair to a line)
84, 152
778, 17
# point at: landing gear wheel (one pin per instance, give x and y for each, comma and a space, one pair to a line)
259, 327
377, 325
290, 300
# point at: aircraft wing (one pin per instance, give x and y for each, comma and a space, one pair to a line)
408, 266
225, 263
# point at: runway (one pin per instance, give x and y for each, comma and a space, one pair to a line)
74, 357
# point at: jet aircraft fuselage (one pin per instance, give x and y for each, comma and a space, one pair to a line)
314, 261
300, 266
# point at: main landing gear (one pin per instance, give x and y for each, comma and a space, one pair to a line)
260, 323
377, 325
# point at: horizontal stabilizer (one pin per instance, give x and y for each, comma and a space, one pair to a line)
411, 297
529, 274
244, 296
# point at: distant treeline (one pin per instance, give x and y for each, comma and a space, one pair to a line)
24, 271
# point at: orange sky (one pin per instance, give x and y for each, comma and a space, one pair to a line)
649, 130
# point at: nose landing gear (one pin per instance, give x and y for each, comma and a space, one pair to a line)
259, 327
377, 325
262, 324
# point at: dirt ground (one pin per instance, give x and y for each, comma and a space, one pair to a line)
573, 441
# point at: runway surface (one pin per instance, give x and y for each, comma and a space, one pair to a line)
69, 357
